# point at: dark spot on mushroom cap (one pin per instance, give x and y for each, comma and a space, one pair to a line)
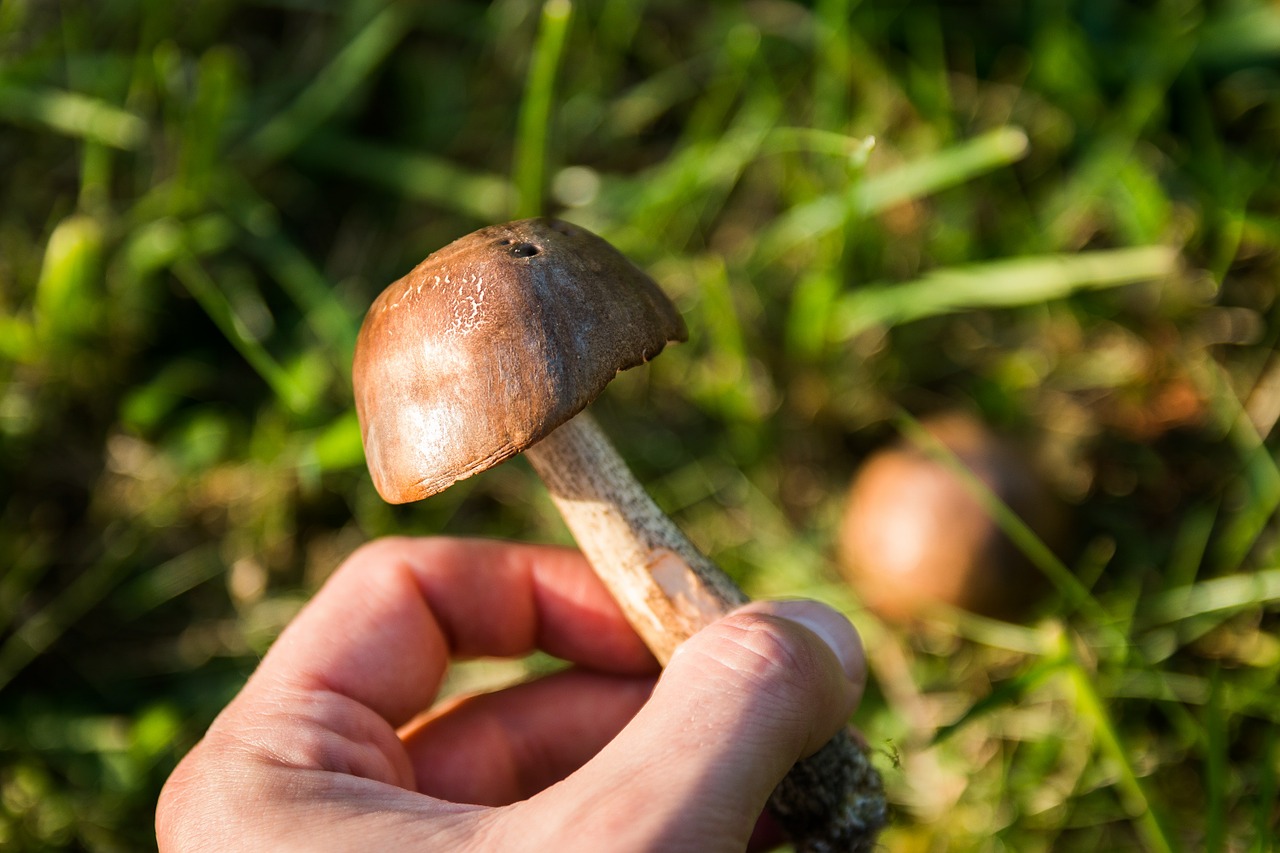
492, 342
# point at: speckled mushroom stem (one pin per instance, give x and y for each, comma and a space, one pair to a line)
833, 800
667, 589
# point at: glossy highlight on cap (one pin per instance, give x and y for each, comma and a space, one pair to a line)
491, 343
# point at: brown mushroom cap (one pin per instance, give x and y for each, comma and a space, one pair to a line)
491, 343
914, 535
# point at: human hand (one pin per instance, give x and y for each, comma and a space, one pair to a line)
328, 746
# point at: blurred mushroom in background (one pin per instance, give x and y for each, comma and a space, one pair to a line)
914, 536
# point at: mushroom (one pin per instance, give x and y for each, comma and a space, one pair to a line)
914, 534
493, 346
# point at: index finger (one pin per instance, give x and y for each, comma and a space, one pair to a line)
382, 629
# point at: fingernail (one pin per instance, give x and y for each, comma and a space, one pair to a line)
830, 625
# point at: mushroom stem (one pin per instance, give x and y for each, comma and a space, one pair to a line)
831, 801
666, 587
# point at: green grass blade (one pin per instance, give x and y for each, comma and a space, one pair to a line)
478, 195
218, 307
832, 63
1246, 33
1132, 790
1005, 694
26, 564
333, 85
13, 15
1091, 565
18, 341
43, 628
929, 174
69, 299
1217, 744
998, 284
95, 175
1260, 475
1190, 546
201, 135
853, 149
694, 184
1268, 789
996, 633
635, 110
72, 114
332, 323
168, 581
726, 385
530, 166
1221, 595
809, 312
948, 168
336, 447
737, 51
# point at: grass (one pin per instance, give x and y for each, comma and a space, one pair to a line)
1061, 218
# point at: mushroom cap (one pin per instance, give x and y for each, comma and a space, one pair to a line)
914, 535
491, 343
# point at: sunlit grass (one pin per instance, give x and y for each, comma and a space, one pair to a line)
533, 129
73, 114
1065, 222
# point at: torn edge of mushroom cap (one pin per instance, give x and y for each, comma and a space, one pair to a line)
491, 343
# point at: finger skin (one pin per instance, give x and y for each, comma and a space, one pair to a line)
498, 748
367, 654
737, 706
383, 628
308, 757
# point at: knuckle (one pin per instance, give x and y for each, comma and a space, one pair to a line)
323, 732
391, 550
386, 560
758, 649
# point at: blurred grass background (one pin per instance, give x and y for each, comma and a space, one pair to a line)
1061, 217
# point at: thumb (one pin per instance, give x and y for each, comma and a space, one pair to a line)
739, 703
